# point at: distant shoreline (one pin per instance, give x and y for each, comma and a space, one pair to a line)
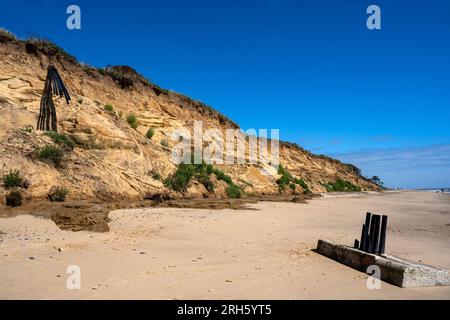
445, 190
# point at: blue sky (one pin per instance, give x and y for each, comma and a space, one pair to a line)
377, 98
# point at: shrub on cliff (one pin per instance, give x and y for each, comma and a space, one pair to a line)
181, 178
156, 175
109, 108
14, 199
287, 179
222, 176
28, 129
164, 143
58, 194
341, 186
12, 180
51, 153
132, 121
150, 133
61, 139
234, 191
201, 173
303, 184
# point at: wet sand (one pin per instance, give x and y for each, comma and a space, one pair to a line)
179, 253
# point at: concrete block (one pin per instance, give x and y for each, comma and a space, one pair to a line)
399, 272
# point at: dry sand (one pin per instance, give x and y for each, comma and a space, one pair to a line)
166, 253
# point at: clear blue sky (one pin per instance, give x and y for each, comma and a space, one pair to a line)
379, 99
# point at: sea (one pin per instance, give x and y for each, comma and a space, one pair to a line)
445, 190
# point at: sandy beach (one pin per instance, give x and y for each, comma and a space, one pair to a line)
263, 253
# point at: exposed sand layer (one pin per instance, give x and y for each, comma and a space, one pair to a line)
177, 253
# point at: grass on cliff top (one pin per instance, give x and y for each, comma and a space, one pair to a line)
47, 47
6, 36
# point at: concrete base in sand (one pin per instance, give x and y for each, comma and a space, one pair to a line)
394, 270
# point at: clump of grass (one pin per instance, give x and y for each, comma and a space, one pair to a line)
61, 139
181, 178
109, 107
202, 173
132, 121
164, 143
150, 133
341, 186
158, 90
304, 186
14, 198
12, 180
234, 191
58, 194
287, 179
28, 129
156, 175
186, 173
80, 100
222, 176
51, 153
208, 184
284, 180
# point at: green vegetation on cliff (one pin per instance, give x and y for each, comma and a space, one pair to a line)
287, 179
341, 186
201, 173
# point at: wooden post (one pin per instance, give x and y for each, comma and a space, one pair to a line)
383, 234
367, 224
362, 243
375, 233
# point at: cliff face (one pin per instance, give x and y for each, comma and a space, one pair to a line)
110, 159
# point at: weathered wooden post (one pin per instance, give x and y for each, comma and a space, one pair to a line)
375, 233
367, 223
370, 236
383, 234
47, 113
365, 233
362, 243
